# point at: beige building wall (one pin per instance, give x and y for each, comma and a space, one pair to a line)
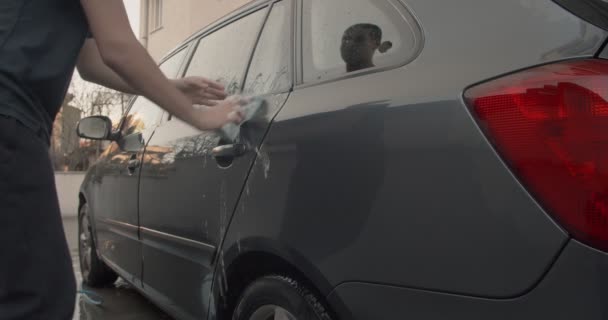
180, 19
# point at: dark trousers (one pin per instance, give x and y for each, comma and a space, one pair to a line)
36, 274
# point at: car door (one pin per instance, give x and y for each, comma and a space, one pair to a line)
187, 196
116, 205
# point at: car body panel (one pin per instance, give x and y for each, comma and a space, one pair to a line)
114, 188
575, 288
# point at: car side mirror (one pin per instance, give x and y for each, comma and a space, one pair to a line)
95, 128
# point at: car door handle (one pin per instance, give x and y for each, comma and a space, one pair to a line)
229, 150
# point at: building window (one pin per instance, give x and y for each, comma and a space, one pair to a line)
156, 15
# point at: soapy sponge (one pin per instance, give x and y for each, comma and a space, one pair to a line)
252, 110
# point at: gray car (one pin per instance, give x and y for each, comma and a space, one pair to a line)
414, 159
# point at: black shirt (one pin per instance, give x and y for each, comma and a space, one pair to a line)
39, 44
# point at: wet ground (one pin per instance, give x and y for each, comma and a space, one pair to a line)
120, 302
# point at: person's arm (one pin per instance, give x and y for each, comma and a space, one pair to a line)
130, 68
92, 68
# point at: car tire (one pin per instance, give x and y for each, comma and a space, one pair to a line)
95, 273
268, 296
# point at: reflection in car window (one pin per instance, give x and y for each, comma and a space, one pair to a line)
359, 45
144, 113
171, 66
342, 36
223, 55
269, 70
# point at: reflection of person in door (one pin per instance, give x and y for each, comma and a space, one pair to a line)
359, 45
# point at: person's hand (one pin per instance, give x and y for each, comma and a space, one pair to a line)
223, 112
200, 90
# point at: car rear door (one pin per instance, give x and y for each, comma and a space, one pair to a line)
186, 195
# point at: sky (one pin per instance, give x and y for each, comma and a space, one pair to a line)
133, 12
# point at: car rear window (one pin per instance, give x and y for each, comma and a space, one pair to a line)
344, 36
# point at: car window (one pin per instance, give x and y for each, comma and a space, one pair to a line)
145, 113
171, 66
223, 55
342, 36
269, 69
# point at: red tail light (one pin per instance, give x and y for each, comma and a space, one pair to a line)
550, 125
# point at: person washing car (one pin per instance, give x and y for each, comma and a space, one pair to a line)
41, 42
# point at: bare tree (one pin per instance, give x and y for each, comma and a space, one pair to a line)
97, 100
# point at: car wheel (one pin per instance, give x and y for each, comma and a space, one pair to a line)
95, 272
279, 298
